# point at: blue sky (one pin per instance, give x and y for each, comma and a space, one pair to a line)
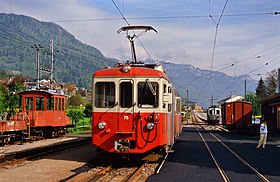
186, 33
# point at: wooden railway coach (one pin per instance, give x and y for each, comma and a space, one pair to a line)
237, 115
41, 113
135, 109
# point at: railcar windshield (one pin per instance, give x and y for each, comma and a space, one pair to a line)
105, 94
210, 111
218, 111
148, 94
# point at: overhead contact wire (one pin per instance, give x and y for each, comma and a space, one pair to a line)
123, 17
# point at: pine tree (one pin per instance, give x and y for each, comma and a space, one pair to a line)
261, 90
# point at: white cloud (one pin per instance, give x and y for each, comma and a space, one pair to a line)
188, 41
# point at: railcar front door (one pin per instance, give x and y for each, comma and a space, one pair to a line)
125, 121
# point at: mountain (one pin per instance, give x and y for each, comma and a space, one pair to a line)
202, 85
75, 62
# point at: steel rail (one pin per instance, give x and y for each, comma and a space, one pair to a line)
33, 153
221, 171
132, 177
262, 177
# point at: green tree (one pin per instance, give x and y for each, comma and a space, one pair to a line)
3, 92
76, 115
88, 110
261, 90
271, 82
76, 100
9, 98
256, 104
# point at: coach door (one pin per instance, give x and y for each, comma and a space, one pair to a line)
125, 119
168, 104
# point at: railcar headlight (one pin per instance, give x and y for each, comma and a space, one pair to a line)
126, 68
150, 126
101, 125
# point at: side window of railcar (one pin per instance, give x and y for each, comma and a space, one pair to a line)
148, 94
164, 88
126, 94
39, 103
56, 108
169, 90
50, 104
105, 94
62, 104
29, 103
169, 107
178, 106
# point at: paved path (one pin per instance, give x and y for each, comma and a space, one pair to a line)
191, 162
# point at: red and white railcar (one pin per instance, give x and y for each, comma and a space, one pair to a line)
134, 109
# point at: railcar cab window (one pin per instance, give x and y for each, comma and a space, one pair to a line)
105, 94
148, 94
126, 94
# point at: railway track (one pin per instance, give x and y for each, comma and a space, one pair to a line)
18, 157
223, 166
124, 171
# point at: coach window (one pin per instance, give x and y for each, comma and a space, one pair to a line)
169, 90
29, 103
126, 94
218, 111
164, 88
105, 94
39, 103
178, 106
50, 104
148, 94
62, 104
56, 108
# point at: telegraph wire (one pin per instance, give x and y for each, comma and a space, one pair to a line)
215, 41
216, 32
256, 55
267, 63
222, 13
120, 13
160, 17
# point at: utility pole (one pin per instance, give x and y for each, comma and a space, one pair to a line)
51, 71
37, 47
212, 100
187, 106
245, 90
187, 100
